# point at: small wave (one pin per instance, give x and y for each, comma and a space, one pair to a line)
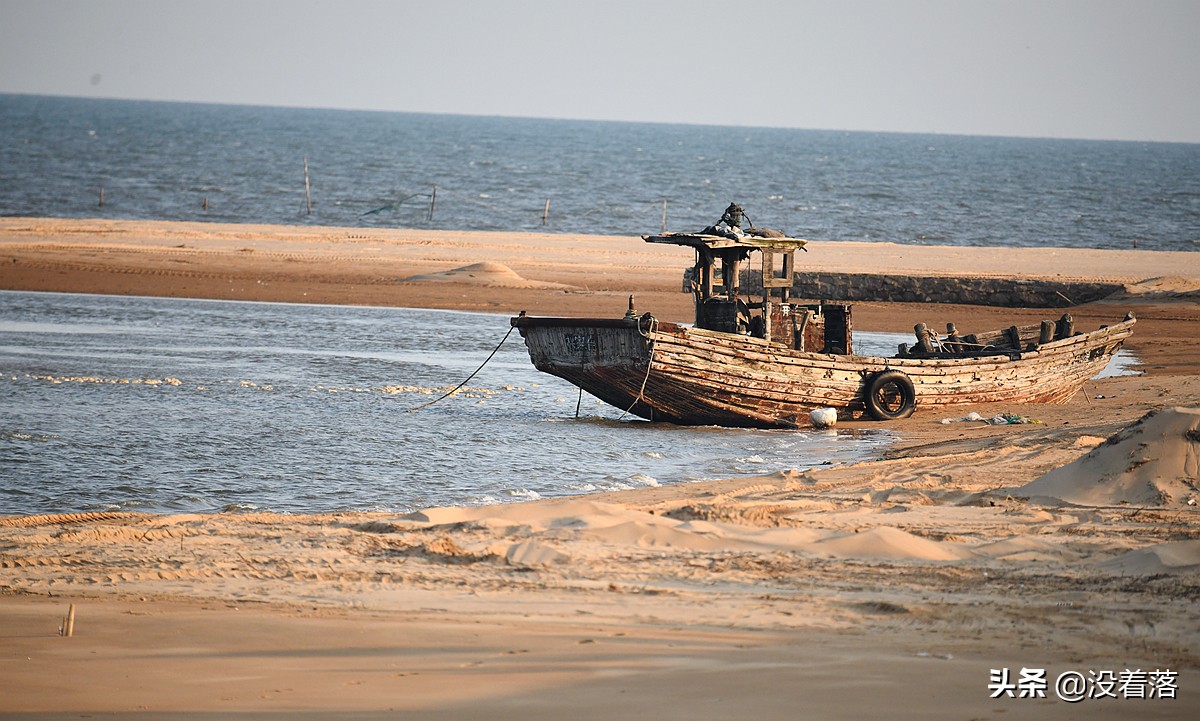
484, 500
18, 435
108, 381
644, 480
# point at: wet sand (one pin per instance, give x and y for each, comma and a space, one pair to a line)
891, 587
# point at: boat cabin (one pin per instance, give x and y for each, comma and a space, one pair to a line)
722, 305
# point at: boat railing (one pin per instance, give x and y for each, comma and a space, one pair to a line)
1014, 339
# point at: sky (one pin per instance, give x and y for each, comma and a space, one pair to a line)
1097, 69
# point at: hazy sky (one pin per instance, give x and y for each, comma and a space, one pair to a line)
1058, 68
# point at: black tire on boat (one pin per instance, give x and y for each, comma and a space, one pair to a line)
890, 396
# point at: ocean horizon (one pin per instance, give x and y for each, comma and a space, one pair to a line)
152, 160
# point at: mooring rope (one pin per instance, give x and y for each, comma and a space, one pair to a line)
458, 387
651, 329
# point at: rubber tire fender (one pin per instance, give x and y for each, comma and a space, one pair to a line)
902, 384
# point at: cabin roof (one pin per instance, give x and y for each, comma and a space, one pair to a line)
718, 242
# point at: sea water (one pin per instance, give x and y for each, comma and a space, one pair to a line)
240, 164
180, 405
175, 405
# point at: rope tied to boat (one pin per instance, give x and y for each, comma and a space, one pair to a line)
458, 387
648, 334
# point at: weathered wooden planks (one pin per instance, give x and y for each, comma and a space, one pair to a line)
695, 376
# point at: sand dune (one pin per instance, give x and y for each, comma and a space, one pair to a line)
1153, 462
888, 542
1173, 557
486, 274
1161, 288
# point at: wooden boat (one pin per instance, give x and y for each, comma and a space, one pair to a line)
771, 363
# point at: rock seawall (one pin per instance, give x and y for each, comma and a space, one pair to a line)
1001, 292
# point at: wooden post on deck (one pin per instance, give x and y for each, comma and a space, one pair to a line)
923, 340
1065, 328
307, 193
1047, 333
953, 339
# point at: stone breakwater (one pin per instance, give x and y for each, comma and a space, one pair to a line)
1000, 292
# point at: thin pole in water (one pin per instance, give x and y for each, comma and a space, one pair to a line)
432, 202
307, 193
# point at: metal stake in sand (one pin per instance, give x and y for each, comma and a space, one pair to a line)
68, 626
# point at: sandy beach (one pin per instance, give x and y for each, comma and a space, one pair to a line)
963, 574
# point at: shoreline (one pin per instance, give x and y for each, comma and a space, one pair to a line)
561, 274
847, 591
393, 266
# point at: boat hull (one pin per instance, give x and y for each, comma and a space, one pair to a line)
681, 374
